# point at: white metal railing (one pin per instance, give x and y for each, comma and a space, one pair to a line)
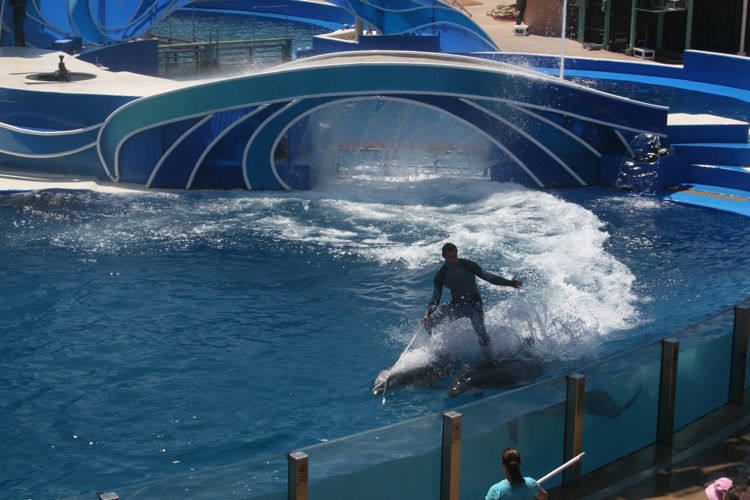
456, 3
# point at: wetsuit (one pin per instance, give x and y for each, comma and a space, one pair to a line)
19, 18
466, 301
521, 9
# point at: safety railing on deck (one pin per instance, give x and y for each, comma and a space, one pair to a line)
456, 3
201, 57
614, 408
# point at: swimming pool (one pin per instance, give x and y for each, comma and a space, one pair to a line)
154, 335
151, 335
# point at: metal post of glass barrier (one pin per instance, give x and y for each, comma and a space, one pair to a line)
670, 348
739, 355
298, 475
450, 470
574, 427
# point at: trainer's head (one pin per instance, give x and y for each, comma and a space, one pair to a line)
450, 253
511, 460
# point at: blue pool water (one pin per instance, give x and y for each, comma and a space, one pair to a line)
150, 335
186, 25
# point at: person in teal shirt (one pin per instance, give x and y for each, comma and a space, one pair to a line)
515, 485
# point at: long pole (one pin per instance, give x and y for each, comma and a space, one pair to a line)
385, 384
744, 28
2, 13
562, 37
561, 468
689, 29
633, 20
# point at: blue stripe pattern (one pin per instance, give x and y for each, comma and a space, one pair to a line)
17, 141
492, 98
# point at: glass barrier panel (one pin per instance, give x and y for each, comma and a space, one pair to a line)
712, 327
530, 419
620, 406
398, 462
746, 304
259, 479
403, 461
703, 368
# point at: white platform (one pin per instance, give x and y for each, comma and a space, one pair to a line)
522, 29
16, 63
700, 119
32, 181
643, 53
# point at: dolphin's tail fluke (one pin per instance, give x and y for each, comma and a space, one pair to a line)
630, 401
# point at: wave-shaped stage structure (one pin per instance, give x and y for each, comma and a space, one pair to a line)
457, 32
103, 22
241, 132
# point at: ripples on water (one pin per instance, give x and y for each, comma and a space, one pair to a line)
149, 335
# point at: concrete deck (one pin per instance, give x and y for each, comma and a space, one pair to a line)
702, 119
30, 181
18, 63
503, 33
714, 446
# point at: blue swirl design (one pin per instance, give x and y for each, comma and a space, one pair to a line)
223, 134
38, 143
458, 33
96, 22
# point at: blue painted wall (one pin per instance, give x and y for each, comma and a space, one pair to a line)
324, 14
704, 67
56, 111
138, 56
327, 45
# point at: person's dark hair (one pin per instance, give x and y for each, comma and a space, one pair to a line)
512, 461
449, 247
735, 492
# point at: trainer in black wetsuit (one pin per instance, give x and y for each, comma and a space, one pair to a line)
459, 275
19, 19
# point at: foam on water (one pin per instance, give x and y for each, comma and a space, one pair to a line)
574, 289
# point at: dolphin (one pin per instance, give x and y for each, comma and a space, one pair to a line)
498, 374
599, 402
423, 373
596, 402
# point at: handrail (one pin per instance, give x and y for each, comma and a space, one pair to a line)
460, 7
